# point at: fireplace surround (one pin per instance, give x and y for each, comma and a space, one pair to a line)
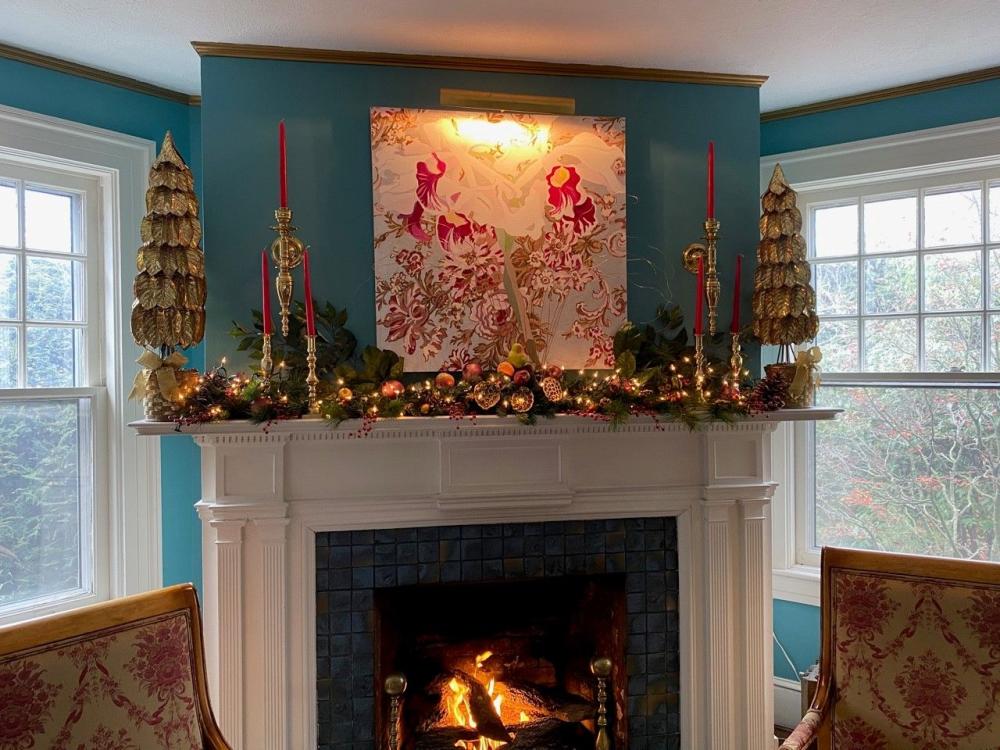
271, 499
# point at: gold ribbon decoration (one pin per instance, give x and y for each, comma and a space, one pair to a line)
806, 371
164, 369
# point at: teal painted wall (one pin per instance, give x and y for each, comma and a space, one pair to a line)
974, 101
326, 107
98, 104
796, 626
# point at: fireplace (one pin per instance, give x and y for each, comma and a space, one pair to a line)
496, 629
306, 529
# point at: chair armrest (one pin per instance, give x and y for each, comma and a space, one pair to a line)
804, 735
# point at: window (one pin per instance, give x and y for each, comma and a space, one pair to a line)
906, 267
51, 395
70, 210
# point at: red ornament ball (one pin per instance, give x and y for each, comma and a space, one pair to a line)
392, 389
522, 376
472, 372
444, 380
554, 371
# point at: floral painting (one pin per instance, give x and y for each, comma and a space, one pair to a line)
494, 229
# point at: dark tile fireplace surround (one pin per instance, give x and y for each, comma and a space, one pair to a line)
353, 565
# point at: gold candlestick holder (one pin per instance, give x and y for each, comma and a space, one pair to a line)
707, 251
266, 363
601, 669
311, 379
699, 366
395, 686
286, 250
735, 364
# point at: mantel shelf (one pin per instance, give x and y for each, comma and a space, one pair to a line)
422, 425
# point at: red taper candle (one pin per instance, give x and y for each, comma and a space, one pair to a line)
282, 166
698, 322
734, 327
265, 287
310, 313
710, 212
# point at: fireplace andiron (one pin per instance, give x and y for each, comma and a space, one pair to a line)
601, 667
395, 686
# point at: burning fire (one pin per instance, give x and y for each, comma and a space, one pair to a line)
461, 711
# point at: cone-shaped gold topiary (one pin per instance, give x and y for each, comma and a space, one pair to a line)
784, 303
169, 307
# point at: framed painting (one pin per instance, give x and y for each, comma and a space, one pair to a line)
493, 229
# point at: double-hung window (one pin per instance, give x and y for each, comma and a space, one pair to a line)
905, 254
53, 465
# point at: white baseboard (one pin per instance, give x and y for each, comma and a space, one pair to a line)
787, 702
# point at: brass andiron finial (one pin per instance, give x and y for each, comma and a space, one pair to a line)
735, 364
601, 668
266, 363
707, 250
311, 379
286, 250
699, 366
395, 686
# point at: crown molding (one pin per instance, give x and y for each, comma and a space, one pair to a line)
893, 92
95, 74
479, 64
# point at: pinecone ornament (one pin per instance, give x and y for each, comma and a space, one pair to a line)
771, 393
784, 303
169, 307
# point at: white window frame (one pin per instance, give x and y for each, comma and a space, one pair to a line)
950, 155
127, 491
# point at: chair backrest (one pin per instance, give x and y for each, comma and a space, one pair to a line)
911, 651
123, 675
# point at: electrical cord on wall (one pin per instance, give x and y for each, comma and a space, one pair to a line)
795, 670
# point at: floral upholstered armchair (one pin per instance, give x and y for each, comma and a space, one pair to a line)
123, 675
910, 656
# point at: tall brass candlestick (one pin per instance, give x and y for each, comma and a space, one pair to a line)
286, 250
395, 686
601, 669
707, 250
699, 366
311, 380
735, 363
266, 363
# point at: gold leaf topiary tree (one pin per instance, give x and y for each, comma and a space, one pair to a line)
169, 308
784, 303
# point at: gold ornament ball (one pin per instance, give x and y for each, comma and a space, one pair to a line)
444, 380
522, 400
392, 389
486, 394
345, 394
425, 409
552, 389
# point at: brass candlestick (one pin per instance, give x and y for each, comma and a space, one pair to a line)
286, 251
311, 380
707, 250
601, 668
395, 686
266, 363
735, 363
699, 366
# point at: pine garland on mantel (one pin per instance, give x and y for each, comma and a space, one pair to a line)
653, 376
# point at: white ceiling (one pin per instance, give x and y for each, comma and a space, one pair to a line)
811, 49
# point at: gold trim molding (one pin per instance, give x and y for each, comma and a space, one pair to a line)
893, 92
478, 64
95, 74
497, 101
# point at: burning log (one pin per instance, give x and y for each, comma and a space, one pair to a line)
488, 721
444, 738
540, 702
551, 734
441, 694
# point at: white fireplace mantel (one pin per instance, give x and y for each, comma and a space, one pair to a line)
266, 493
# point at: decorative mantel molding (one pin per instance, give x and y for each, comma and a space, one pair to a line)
266, 494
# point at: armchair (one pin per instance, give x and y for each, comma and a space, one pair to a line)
910, 655
121, 675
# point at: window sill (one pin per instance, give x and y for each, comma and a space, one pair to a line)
797, 584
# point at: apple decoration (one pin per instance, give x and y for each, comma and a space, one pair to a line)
472, 372
444, 380
522, 376
554, 371
392, 389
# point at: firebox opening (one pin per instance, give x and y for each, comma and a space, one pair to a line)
503, 665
